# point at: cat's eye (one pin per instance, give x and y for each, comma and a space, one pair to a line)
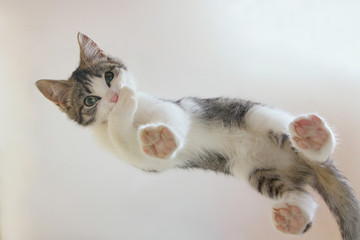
108, 77
91, 100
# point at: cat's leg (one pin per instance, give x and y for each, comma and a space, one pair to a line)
294, 209
121, 117
166, 127
307, 135
159, 140
312, 137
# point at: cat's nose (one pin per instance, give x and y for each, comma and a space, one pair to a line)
114, 98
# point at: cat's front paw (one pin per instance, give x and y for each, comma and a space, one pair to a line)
158, 141
126, 103
312, 137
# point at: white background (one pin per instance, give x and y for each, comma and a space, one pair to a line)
56, 183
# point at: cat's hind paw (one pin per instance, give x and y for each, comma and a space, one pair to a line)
312, 137
290, 219
158, 141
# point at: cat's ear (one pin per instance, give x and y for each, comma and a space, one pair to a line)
57, 91
89, 51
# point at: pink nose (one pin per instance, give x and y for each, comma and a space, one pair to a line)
114, 98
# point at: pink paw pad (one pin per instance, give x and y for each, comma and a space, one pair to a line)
311, 133
158, 141
290, 219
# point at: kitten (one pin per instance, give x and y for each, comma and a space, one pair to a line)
276, 153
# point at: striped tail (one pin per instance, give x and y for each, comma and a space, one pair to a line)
340, 198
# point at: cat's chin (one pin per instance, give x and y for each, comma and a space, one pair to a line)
98, 123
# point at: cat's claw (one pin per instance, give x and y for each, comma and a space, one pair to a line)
158, 141
312, 137
290, 219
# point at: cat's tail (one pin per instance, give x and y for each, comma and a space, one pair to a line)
340, 198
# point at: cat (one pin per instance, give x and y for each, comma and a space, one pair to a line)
278, 154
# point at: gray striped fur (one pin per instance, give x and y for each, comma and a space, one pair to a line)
209, 160
230, 112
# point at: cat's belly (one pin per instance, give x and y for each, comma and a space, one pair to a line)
257, 152
242, 150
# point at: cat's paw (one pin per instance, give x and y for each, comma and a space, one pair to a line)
158, 141
126, 103
310, 131
312, 137
291, 219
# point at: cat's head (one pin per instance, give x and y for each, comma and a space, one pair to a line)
89, 94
